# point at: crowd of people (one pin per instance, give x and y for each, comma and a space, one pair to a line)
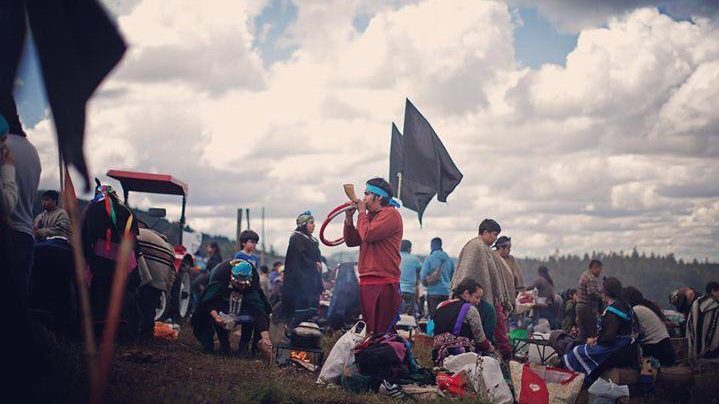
470, 303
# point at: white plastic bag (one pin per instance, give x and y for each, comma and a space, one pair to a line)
341, 354
602, 391
484, 374
497, 389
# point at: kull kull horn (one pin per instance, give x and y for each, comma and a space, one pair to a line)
350, 192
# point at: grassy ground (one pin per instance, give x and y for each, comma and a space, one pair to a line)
162, 371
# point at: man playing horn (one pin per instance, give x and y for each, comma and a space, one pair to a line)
378, 234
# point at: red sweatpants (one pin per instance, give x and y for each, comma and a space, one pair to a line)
501, 338
380, 306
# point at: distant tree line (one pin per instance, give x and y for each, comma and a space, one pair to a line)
655, 275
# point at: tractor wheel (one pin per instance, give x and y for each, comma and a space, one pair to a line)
160, 310
178, 304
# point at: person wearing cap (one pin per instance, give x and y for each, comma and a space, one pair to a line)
378, 234
303, 273
479, 262
504, 248
233, 298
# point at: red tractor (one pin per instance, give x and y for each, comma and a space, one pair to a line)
169, 264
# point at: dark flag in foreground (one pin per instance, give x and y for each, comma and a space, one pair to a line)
414, 196
77, 44
425, 165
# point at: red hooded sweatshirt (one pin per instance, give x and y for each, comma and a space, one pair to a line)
378, 236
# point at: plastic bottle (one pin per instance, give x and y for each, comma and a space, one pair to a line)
430, 327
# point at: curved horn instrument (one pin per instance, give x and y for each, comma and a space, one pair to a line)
350, 192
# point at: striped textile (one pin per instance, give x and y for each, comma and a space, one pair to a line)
702, 335
585, 358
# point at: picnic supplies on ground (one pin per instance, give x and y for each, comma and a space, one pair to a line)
606, 392
341, 354
422, 393
484, 374
383, 357
455, 384
544, 384
166, 330
306, 335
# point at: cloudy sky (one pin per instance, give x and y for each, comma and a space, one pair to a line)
578, 125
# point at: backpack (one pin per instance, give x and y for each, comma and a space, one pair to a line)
383, 357
435, 276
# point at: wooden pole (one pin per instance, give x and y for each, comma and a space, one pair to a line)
113, 317
262, 257
70, 201
239, 228
247, 214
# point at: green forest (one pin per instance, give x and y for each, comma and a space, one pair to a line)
655, 275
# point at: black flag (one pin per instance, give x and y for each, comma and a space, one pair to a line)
414, 196
426, 167
78, 45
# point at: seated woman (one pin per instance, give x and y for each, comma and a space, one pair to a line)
233, 297
655, 337
615, 345
458, 325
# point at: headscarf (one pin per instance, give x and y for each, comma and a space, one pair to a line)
107, 194
373, 189
305, 218
241, 271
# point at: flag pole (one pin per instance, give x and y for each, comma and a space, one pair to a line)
399, 186
262, 257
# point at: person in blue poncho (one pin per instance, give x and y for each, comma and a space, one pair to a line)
436, 275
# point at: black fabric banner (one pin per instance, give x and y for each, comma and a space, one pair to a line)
78, 45
426, 167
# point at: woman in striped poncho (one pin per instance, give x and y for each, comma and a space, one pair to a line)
615, 344
702, 335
